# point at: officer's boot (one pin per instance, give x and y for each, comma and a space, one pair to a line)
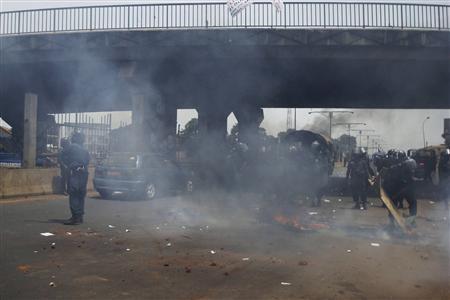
75, 220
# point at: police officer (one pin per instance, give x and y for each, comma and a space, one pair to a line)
359, 171
64, 170
77, 160
399, 183
444, 177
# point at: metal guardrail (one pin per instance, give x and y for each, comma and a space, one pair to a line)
216, 15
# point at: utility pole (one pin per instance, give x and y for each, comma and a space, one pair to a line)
371, 136
349, 127
423, 131
360, 134
330, 116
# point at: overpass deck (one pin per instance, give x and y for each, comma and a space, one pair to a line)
213, 15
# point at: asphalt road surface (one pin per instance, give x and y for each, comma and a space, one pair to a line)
220, 246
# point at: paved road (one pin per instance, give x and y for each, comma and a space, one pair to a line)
219, 246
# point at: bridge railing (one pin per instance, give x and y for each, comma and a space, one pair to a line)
216, 15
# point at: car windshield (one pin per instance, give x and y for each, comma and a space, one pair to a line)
127, 160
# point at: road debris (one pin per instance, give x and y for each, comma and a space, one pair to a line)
375, 244
24, 268
286, 283
47, 234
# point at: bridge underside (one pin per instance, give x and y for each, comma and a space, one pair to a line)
225, 69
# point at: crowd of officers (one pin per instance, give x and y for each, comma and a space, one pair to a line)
395, 172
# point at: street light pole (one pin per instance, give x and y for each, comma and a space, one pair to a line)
349, 127
360, 134
330, 116
423, 130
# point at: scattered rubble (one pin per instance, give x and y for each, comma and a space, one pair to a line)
47, 234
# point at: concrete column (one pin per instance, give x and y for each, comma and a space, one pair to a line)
154, 124
446, 134
249, 120
30, 129
137, 121
212, 123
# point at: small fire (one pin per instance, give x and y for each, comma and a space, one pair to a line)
283, 220
294, 223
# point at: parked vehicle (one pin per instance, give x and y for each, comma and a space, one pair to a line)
142, 175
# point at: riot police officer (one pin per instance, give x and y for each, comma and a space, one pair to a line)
444, 177
359, 171
399, 182
77, 160
64, 170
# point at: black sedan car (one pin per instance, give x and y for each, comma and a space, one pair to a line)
141, 175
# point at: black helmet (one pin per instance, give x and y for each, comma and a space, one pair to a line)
397, 155
64, 142
401, 155
77, 138
359, 152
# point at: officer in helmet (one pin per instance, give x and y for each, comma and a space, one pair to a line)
358, 173
444, 177
64, 170
77, 160
399, 182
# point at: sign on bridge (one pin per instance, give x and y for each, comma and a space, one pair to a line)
236, 6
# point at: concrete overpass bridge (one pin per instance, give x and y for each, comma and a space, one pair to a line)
156, 58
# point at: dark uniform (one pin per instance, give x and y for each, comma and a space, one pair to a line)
358, 171
64, 169
399, 184
444, 177
77, 160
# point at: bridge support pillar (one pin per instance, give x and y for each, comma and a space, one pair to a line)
249, 120
212, 123
154, 124
212, 150
30, 130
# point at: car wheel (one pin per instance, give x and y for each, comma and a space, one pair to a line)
150, 191
104, 194
189, 186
